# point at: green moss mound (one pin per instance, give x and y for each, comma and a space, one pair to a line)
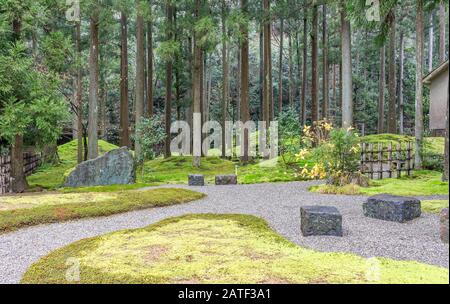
50, 176
21, 211
216, 249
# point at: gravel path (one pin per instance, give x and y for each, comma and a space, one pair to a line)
279, 204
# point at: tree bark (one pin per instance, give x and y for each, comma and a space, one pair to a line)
196, 84
346, 78
267, 89
315, 64
245, 115
419, 128
382, 84
446, 153
291, 72
392, 115
169, 76
431, 43
442, 29
326, 86
305, 65
150, 68
225, 81
93, 87
280, 68
401, 84
79, 94
124, 104
140, 74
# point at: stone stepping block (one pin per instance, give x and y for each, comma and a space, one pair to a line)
444, 225
320, 220
223, 180
196, 180
392, 208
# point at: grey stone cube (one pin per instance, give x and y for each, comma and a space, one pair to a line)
196, 180
444, 225
321, 220
223, 180
392, 208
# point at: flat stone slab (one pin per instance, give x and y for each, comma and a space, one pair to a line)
392, 208
114, 168
444, 225
196, 180
320, 220
223, 180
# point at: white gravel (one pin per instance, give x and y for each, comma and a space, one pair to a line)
279, 204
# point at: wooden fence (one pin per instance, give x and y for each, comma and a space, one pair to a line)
31, 162
380, 161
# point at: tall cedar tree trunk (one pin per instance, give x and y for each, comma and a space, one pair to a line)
245, 115
140, 74
150, 67
419, 128
267, 89
315, 64
291, 72
401, 108
169, 76
382, 84
224, 76
19, 182
93, 87
299, 65
280, 68
392, 115
326, 86
431, 43
346, 79
124, 116
79, 98
305, 65
196, 88
442, 29
261, 71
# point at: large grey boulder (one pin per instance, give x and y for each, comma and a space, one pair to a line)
444, 225
114, 168
320, 220
196, 180
392, 208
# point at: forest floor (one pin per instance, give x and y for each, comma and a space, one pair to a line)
279, 204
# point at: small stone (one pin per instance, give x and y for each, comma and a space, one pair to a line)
321, 220
222, 180
196, 180
114, 168
392, 208
444, 225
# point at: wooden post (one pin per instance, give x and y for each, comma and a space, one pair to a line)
380, 160
371, 160
399, 163
390, 159
408, 158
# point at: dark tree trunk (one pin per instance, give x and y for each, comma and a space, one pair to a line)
442, 29
149, 68
315, 63
140, 74
245, 115
382, 84
419, 128
169, 76
224, 76
326, 99
280, 68
392, 115
124, 106
93, 87
346, 70
305, 65
79, 94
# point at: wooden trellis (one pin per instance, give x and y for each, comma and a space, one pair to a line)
380, 161
31, 162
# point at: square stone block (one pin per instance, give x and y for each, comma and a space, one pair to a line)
223, 180
392, 208
196, 180
444, 225
320, 220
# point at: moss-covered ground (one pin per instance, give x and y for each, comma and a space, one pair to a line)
29, 210
217, 249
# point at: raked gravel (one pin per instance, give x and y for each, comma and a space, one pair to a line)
279, 204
